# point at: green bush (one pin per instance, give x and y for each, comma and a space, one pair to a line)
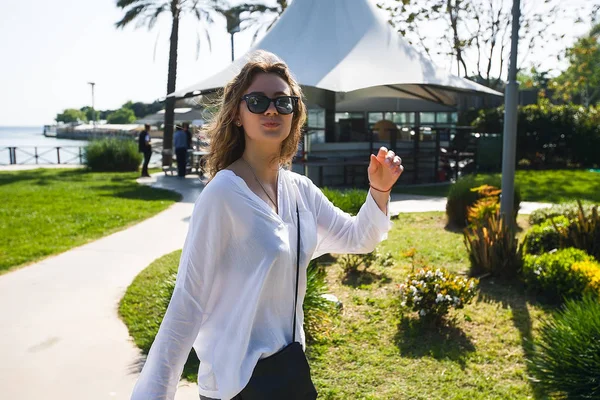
112, 155
461, 197
317, 309
566, 356
348, 201
551, 274
568, 210
433, 293
493, 248
544, 237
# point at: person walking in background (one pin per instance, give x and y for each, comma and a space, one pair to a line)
180, 142
145, 148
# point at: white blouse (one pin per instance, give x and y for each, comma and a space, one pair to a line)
233, 299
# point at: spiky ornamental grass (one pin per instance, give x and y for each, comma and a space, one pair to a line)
566, 356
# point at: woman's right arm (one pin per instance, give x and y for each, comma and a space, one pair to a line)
184, 316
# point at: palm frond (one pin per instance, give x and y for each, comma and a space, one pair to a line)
130, 15
127, 3
151, 20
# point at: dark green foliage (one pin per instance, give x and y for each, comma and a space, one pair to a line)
566, 356
112, 155
551, 275
550, 135
569, 210
348, 201
544, 237
317, 309
460, 198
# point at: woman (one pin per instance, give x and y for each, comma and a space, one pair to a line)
233, 299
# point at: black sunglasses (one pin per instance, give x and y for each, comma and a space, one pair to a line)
259, 103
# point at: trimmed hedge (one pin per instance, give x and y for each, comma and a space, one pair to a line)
550, 136
349, 201
544, 237
551, 274
112, 155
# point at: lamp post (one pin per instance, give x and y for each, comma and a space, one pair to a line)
233, 24
92, 84
509, 145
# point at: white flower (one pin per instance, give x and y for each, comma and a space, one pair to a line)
439, 298
403, 304
422, 313
448, 297
456, 300
413, 289
471, 285
417, 299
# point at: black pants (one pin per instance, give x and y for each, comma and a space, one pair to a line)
147, 155
181, 154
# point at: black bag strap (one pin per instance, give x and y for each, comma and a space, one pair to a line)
297, 274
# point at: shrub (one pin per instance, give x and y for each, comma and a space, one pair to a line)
433, 293
112, 155
348, 201
568, 210
493, 248
545, 237
551, 274
461, 197
583, 232
565, 360
351, 262
589, 272
317, 309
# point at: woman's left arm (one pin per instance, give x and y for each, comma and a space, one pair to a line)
338, 232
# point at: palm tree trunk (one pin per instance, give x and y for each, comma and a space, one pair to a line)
170, 102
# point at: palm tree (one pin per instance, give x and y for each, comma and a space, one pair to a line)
282, 5
233, 17
146, 12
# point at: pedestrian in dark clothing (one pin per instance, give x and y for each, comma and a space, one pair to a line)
145, 147
188, 133
181, 147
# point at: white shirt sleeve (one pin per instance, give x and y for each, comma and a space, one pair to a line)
185, 314
339, 232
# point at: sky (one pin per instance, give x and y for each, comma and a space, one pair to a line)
51, 50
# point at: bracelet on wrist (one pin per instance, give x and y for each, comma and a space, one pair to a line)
379, 190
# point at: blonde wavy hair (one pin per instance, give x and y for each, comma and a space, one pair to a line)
227, 141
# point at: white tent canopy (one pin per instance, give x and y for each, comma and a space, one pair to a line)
347, 46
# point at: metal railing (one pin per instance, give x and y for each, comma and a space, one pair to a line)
42, 155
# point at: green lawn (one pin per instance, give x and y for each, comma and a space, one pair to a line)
370, 351
48, 211
554, 186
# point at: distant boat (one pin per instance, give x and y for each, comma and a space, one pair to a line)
50, 130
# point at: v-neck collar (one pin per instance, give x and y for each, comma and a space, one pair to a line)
242, 183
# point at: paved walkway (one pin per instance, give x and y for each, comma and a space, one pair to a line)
61, 337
